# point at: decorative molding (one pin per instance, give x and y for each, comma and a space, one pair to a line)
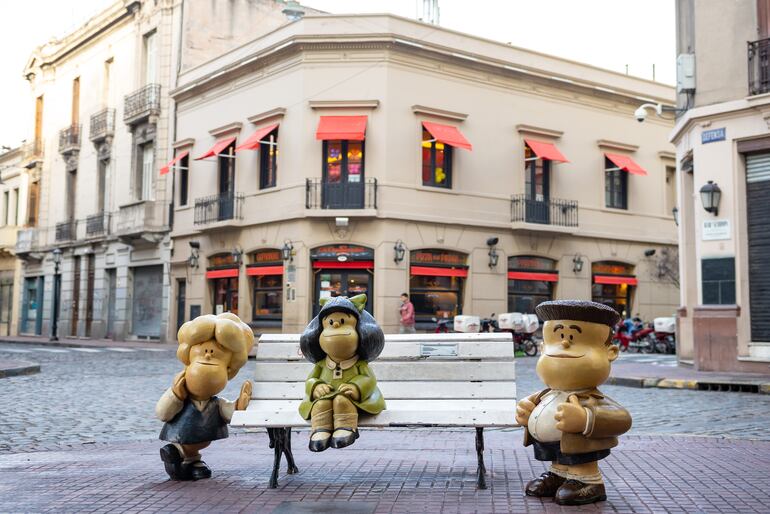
344, 104
615, 145
235, 126
183, 143
278, 112
538, 131
440, 113
663, 154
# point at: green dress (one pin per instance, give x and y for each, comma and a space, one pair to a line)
358, 374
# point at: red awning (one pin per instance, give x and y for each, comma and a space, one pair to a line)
615, 280
528, 275
625, 163
264, 270
252, 143
342, 127
447, 134
438, 272
165, 169
343, 264
222, 273
217, 148
546, 150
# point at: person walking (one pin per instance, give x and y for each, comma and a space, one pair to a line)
406, 316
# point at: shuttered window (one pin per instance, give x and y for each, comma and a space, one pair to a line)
758, 227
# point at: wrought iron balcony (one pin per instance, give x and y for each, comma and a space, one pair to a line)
32, 151
320, 194
102, 125
66, 231
69, 139
97, 225
221, 207
551, 211
142, 104
759, 67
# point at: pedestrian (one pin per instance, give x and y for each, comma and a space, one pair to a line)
406, 316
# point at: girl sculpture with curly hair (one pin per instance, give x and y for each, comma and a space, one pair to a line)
340, 341
213, 349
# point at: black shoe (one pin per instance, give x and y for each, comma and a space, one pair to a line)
198, 470
346, 440
575, 492
544, 486
172, 460
319, 445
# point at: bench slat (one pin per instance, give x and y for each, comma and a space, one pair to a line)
427, 338
398, 390
451, 371
404, 350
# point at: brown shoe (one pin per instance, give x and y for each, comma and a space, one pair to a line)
574, 492
546, 485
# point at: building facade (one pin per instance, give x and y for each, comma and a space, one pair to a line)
349, 154
722, 140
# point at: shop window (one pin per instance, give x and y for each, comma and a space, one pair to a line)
343, 270
268, 160
222, 273
531, 281
266, 272
615, 186
718, 281
436, 162
613, 285
436, 283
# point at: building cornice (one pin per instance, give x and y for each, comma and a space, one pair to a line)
278, 112
616, 145
439, 113
343, 104
183, 143
667, 155
538, 131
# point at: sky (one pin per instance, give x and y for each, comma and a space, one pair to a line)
617, 35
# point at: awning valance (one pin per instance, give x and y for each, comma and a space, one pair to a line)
264, 270
343, 264
625, 163
546, 150
530, 275
165, 169
447, 134
254, 140
342, 127
222, 273
430, 271
217, 149
615, 280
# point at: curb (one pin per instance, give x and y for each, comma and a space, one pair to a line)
693, 385
17, 368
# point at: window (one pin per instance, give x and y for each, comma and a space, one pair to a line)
144, 165
107, 82
343, 174
436, 162
182, 171
226, 165
537, 176
34, 194
530, 282
436, 283
268, 297
268, 164
75, 101
615, 186
149, 58
72, 182
670, 189
101, 185
6, 201
38, 123
16, 206
718, 280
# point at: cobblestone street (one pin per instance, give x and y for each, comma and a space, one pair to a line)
108, 394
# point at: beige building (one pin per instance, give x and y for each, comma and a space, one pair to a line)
372, 153
723, 144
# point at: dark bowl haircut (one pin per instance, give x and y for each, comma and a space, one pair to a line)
371, 340
577, 310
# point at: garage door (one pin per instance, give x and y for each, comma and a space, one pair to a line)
147, 301
758, 210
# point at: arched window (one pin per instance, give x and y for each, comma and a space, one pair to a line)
266, 272
436, 283
531, 281
613, 284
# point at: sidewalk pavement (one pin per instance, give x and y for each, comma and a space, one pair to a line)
639, 374
14, 368
397, 470
85, 342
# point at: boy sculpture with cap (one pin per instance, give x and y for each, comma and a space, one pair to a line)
571, 423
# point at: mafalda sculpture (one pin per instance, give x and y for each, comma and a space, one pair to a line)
213, 349
340, 341
571, 423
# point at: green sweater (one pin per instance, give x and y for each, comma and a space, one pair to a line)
358, 375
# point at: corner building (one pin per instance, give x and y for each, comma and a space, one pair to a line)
371, 153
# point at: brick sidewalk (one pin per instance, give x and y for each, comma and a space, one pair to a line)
637, 374
390, 471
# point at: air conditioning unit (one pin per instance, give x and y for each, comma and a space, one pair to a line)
685, 73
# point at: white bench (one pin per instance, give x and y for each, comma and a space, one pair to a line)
428, 380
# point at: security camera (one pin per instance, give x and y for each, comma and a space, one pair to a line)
492, 241
640, 114
195, 244
649, 253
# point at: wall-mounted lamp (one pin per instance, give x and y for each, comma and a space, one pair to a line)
675, 212
650, 252
237, 255
577, 263
399, 250
287, 252
195, 247
710, 194
493, 257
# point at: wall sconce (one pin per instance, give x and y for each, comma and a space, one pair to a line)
710, 194
287, 252
675, 212
493, 257
195, 247
399, 251
577, 263
237, 255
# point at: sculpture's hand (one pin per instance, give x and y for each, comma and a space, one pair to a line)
523, 410
179, 388
244, 397
321, 390
350, 391
571, 416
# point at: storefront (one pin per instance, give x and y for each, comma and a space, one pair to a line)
31, 313
342, 270
266, 277
531, 280
436, 284
613, 284
222, 275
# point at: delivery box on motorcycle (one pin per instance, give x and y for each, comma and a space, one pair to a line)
665, 324
465, 323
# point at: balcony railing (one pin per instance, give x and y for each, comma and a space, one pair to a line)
759, 66
142, 103
551, 211
69, 139
97, 225
102, 125
32, 151
66, 231
221, 207
141, 218
340, 195
27, 240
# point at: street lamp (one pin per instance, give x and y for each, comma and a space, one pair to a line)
710, 194
399, 250
675, 212
56, 256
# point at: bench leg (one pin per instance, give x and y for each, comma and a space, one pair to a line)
277, 438
481, 470
291, 468
270, 436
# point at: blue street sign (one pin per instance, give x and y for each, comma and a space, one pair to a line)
711, 136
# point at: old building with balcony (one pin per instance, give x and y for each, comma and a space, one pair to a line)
722, 138
366, 154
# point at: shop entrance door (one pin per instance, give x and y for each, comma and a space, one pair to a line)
330, 283
225, 295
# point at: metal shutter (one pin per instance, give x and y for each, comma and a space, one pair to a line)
758, 214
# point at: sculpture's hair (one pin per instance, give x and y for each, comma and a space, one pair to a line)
226, 328
371, 340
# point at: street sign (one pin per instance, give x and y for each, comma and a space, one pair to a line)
713, 135
715, 230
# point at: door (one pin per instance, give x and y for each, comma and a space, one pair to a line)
111, 286
226, 202
758, 228
75, 305
343, 176
147, 299
148, 161
6, 302
181, 292
90, 264
537, 188
330, 283
226, 295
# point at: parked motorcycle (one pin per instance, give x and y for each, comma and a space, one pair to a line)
443, 325
631, 335
663, 337
522, 328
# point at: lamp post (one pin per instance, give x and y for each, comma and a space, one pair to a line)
56, 256
710, 194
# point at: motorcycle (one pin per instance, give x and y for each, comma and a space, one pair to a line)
443, 325
663, 337
522, 328
631, 335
